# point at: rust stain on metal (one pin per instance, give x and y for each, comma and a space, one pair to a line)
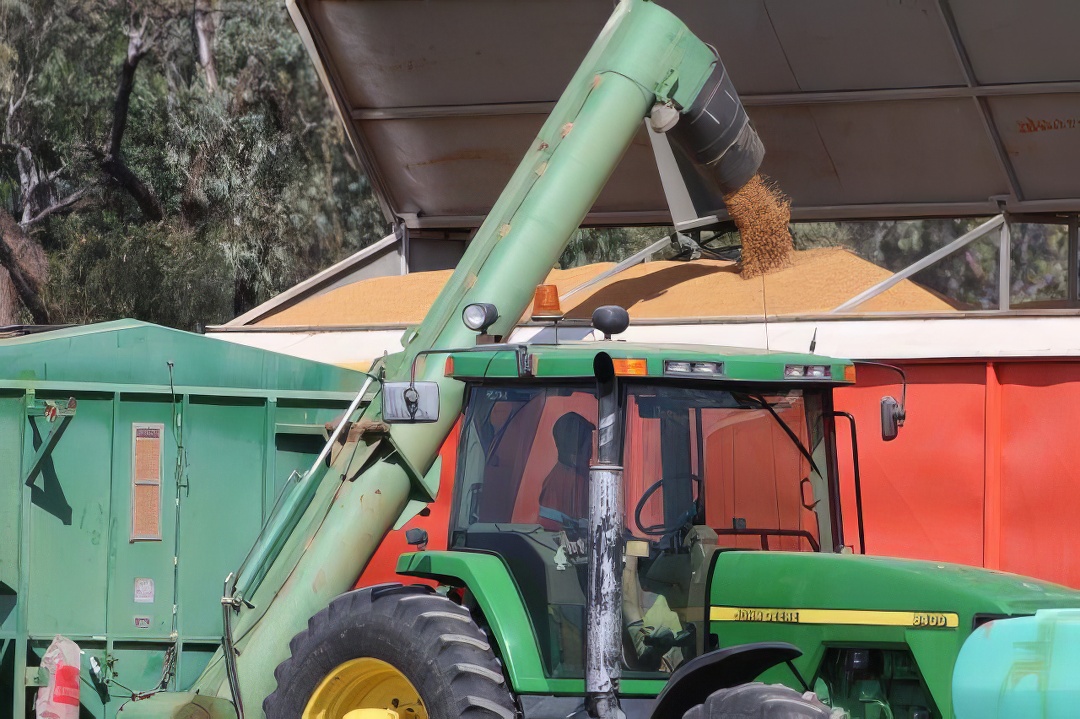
597, 79
463, 156
543, 146
1029, 124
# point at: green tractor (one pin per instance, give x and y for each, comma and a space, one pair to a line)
641, 531
719, 520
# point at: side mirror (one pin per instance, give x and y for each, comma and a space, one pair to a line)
410, 402
892, 418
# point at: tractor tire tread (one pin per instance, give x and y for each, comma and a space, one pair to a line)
434, 642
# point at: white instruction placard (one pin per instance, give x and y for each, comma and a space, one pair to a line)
144, 590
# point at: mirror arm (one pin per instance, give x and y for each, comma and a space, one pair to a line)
903, 385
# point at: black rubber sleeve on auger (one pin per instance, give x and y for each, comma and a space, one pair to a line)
715, 133
434, 642
759, 701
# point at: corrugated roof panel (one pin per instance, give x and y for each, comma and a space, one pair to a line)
405, 54
1011, 41
861, 45
1041, 133
930, 151
867, 108
459, 165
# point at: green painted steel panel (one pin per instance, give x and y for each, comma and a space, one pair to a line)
139, 665
132, 560
69, 524
80, 576
193, 660
783, 580
12, 417
221, 508
299, 436
135, 353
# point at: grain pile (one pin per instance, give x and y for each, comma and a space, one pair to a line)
813, 282
762, 212
394, 300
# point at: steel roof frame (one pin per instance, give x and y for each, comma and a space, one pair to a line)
1015, 202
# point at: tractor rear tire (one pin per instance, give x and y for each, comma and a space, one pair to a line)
410, 632
759, 701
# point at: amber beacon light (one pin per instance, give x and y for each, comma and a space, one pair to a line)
546, 304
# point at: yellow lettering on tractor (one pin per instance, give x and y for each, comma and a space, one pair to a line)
860, 617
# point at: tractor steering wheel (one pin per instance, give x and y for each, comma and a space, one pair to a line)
662, 529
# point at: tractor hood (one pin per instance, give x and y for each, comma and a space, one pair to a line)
866, 109
810, 581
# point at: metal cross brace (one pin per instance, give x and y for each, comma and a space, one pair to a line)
58, 416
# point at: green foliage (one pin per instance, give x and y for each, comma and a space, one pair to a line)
254, 175
969, 277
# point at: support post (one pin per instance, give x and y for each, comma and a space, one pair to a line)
603, 645
992, 464
1004, 267
1074, 259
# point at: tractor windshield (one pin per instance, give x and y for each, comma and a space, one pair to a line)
705, 469
748, 465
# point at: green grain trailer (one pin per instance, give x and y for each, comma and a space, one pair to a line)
136, 463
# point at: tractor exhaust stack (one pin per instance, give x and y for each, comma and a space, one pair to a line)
603, 634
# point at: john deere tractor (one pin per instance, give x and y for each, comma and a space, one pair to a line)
648, 531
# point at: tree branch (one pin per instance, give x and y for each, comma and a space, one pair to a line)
139, 191
112, 165
57, 207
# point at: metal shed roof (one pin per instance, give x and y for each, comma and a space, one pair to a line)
867, 108
129, 355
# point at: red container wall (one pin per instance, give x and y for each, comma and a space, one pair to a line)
985, 471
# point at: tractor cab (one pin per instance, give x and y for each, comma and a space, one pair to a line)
720, 450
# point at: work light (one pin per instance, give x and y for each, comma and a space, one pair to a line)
480, 316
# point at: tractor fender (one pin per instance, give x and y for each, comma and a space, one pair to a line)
694, 681
488, 579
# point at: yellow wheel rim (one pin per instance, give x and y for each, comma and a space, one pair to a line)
365, 688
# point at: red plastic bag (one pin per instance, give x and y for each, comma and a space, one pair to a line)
60, 698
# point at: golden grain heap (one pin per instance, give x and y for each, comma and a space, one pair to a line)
762, 212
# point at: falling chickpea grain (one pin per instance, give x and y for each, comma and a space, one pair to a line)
761, 213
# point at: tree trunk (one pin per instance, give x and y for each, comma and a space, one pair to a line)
113, 166
205, 24
26, 265
9, 300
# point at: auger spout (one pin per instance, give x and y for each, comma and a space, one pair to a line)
643, 56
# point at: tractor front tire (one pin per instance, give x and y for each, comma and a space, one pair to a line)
403, 648
759, 701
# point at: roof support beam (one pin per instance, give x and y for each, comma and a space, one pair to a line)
980, 102
765, 100
941, 253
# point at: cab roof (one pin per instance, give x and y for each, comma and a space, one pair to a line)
575, 360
